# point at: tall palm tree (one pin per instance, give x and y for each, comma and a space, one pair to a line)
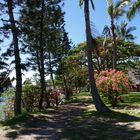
100, 106
115, 10
134, 9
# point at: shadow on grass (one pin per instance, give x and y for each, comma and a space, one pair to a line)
74, 122
102, 126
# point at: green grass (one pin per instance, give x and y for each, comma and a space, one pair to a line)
91, 124
21, 119
80, 97
132, 98
17, 119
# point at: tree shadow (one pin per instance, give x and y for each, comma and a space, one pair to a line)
103, 126
73, 122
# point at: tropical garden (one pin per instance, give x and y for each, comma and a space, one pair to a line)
93, 89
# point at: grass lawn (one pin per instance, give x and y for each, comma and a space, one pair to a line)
122, 124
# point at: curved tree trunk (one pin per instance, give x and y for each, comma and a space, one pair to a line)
17, 108
100, 106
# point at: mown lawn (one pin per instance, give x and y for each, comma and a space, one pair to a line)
130, 99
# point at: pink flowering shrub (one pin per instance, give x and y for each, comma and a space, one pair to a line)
55, 95
112, 84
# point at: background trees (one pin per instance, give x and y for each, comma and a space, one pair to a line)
44, 38
115, 10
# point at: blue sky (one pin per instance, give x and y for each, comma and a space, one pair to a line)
75, 24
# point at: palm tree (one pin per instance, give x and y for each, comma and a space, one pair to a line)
115, 10
134, 9
100, 106
124, 32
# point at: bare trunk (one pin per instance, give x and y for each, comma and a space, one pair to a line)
100, 106
17, 108
42, 69
51, 71
114, 45
66, 91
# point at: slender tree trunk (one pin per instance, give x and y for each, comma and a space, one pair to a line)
114, 45
17, 108
50, 69
100, 106
42, 69
66, 91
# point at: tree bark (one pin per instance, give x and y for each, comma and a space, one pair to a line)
42, 69
114, 45
50, 69
66, 91
100, 106
17, 108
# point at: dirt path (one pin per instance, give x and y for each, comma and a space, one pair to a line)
46, 127
68, 119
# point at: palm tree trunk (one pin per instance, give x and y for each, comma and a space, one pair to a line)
17, 108
114, 45
100, 106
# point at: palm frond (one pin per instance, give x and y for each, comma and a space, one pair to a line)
110, 10
106, 31
130, 29
121, 4
94, 32
110, 7
81, 2
133, 10
92, 4
124, 32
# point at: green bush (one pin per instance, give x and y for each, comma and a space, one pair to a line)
7, 106
30, 97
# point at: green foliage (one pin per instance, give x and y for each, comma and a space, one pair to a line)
30, 96
8, 103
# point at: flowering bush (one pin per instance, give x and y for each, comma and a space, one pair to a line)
55, 94
112, 84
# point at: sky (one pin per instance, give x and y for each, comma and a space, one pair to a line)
75, 24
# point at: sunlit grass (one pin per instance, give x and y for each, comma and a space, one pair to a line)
116, 125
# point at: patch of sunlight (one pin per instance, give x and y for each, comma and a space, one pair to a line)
131, 125
134, 112
90, 108
59, 130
